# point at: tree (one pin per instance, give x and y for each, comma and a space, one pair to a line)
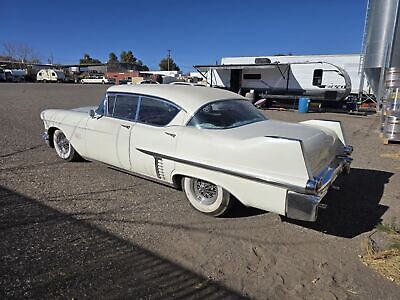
168, 64
140, 66
20, 52
127, 57
87, 60
112, 58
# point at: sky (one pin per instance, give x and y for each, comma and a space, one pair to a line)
197, 32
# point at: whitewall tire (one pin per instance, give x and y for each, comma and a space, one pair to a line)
63, 147
206, 197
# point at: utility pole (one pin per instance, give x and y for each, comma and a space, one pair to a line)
169, 57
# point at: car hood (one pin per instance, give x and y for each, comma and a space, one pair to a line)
85, 109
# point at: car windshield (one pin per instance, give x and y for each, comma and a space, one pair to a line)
226, 114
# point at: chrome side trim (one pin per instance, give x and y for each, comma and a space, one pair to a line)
149, 178
226, 171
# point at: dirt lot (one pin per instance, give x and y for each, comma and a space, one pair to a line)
82, 230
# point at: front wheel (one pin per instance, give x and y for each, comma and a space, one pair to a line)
206, 197
63, 147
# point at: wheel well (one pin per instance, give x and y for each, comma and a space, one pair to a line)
50, 132
177, 180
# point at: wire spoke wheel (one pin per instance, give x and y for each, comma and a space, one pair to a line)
63, 147
206, 197
61, 144
205, 192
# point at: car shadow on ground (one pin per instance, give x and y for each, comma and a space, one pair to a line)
46, 253
238, 210
355, 208
6, 155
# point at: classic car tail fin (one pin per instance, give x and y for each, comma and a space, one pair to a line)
335, 126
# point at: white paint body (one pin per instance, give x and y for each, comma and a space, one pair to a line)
261, 153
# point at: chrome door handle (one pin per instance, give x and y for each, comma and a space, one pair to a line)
170, 134
126, 126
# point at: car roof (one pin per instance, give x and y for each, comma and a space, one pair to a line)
190, 98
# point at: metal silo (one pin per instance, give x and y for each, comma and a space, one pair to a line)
379, 38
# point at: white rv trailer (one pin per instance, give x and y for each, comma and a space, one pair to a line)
319, 77
50, 75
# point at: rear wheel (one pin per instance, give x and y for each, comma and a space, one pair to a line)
63, 147
206, 197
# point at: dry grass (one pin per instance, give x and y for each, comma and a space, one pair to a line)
386, 261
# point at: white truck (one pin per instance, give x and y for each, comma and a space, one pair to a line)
50, 75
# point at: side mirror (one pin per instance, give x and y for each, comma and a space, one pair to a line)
92, 113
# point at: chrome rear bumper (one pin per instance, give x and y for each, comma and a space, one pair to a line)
304, 207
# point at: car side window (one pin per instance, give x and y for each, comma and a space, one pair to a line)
156, 112
125, 107
110, 105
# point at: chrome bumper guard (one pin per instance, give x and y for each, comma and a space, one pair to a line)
304, 207
45, 136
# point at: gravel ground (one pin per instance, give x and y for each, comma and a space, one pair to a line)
82, 230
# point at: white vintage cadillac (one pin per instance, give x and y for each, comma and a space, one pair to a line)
211, 143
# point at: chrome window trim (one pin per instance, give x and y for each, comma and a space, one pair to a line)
140, 96
116, 100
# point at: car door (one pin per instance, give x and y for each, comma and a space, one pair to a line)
153, 138
108, 135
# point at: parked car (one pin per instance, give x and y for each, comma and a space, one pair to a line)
96, 79
212, 143
148, 82
50, 75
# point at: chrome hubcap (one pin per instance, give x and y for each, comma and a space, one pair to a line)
63, 144
204, 192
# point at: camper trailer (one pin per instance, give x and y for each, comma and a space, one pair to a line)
14, 75
318, 77
50, 75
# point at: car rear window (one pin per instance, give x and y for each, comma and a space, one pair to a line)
226, 114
